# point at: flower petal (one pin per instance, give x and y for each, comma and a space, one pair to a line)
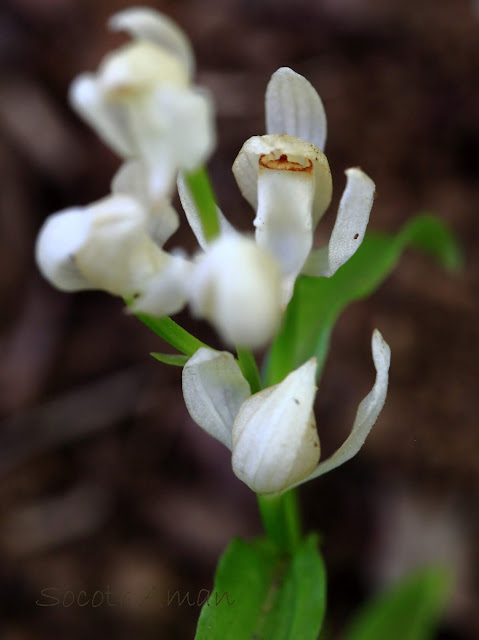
214, 389
164, 293
108, 119
349, 228
284, 224
132, 180
118, 256
352, 220
293, 106
274, 437
236, 285
368, 410
145, 23
138, 67
174, 129
58, 241
193, 217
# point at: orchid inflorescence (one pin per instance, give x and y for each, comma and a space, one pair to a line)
143, 104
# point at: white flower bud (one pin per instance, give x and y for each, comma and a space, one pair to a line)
107, 246
236, 285
142, 104
274, 439
93, 247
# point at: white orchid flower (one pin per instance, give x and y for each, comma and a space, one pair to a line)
107, 246
141, 101
236, 285
272, 434
285, 177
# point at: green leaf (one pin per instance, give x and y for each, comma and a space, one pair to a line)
177, 360
317, 302
410, 611
172, 333
269, 594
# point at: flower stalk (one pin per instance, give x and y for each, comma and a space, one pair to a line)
281, 520
200, 187
249, 368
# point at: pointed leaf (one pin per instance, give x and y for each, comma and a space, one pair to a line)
172, 333
175, 359
409, 611
317, 302
265, 594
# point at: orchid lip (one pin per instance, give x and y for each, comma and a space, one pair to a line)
283, 163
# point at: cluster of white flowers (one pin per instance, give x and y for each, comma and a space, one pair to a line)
142, 102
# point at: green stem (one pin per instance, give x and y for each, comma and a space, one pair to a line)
249, 368
172, 333
281, 519
200, 186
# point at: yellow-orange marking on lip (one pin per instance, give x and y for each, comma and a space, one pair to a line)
283, 164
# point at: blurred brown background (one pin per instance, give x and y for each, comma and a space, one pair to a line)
105, 482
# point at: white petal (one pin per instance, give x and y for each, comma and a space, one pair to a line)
190, 123
193, 217
368, 410
246, 167
349, 229
236, 285
147, 24
174, 129
352, 219
284, 224
59, 239
165, 293
118, 256
274, 438
132, 180
214, 389
138, 67
108, 119
293, 106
